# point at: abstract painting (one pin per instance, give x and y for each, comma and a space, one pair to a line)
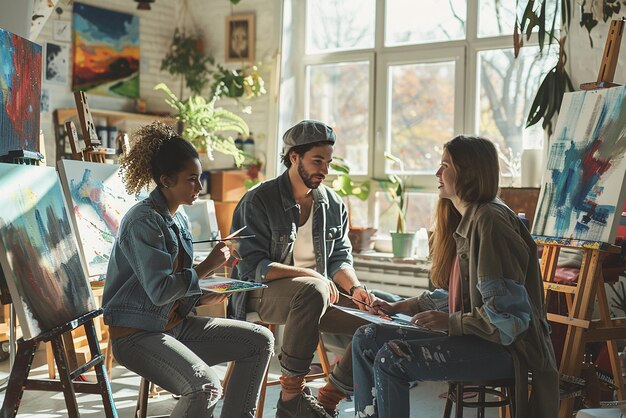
20, 89
106, 52
98, 201
39, 251
583, 187
57, 62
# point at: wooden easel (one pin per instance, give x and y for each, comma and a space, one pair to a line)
84, 150
580, 297
90, 148
19, 381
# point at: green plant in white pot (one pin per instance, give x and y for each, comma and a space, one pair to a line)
361, 237
402, 241
204, 125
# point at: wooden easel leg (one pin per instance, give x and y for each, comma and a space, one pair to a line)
101, 371
64, 376
17, 379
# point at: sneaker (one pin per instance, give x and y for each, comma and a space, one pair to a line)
304, 405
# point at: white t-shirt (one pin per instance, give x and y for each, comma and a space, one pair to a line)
303, 252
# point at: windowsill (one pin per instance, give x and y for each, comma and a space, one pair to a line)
389, 258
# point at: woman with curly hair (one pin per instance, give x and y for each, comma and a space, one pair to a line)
151, 289
489, 302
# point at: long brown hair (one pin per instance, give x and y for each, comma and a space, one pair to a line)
475, 161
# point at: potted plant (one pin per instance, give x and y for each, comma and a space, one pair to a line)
203, 124
362, 238
245, 82
402, 241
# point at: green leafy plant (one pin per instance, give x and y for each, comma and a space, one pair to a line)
246, 82
204, 124
346, 186
186, 57
396, 189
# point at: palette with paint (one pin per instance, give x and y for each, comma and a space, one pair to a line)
216, 284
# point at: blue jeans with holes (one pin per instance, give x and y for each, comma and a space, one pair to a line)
386, 360
180, 360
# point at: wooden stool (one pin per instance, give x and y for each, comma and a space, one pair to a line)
503, 389
142, 400
321, 351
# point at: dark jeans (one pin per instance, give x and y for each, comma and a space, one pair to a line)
179, 361
386, 360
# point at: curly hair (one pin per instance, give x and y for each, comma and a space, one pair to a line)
155, 150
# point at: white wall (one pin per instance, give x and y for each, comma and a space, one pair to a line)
211, 15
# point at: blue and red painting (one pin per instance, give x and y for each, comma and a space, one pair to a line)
583, 187
106, 52
20, 91
39, 252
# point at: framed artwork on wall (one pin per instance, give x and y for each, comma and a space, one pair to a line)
57, 63
62, 31
240, 38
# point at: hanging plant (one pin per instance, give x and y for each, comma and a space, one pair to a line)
246, 83
547, 102
186, 57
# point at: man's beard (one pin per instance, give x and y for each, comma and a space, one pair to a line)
306, 177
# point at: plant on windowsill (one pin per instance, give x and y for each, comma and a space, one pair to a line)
361, 237
204, 125
394, 186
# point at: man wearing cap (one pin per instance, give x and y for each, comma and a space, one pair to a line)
302, 253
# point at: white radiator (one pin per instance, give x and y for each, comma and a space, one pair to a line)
401, 278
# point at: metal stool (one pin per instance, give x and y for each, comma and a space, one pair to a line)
503, 389
142, 401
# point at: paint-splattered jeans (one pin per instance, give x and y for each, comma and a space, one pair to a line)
179, 361
386, 360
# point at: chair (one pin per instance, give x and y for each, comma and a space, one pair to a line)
141, 410
321, 351
503, 390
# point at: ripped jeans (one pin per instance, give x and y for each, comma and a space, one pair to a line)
386, 360
179, 361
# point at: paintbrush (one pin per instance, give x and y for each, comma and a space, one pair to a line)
224, 239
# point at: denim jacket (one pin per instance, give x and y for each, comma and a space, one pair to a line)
270, 213
140, 287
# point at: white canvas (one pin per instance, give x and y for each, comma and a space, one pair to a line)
583, 185
99, 200
39, 252
203, 223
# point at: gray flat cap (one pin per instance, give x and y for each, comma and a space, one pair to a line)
307, 132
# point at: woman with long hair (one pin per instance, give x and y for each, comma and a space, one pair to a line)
489, 301
152, 287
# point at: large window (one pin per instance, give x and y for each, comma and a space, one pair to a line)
405, 76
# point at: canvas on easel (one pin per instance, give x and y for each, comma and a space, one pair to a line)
20, 91
38, 251
98, 200
583, 186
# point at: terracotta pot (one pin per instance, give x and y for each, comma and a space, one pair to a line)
362, 238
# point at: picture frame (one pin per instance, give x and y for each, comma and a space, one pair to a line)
239, 38
62, 31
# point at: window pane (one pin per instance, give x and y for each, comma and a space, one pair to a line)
420, 212
334, 25
420, 114
497, 17
507, 89
339, 97
424, 21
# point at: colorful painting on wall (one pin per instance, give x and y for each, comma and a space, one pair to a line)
583, 186
39, 251
99, 200
106, 52
20, 88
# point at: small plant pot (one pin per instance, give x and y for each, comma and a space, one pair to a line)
362, 238
403, 244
